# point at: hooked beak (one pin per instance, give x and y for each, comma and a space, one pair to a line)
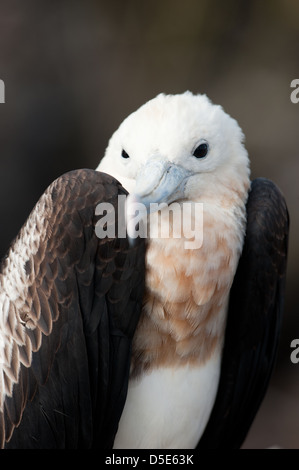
160, 181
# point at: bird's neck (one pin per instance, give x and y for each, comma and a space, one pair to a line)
185, 302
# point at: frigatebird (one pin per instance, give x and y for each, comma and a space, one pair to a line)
157, 341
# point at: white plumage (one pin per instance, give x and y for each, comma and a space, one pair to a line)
163, 343
180, 336
161, 407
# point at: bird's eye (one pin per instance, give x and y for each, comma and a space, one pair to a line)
124, 154
201, 150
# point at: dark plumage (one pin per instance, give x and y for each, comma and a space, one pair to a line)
86, 298
65, 382
254, 319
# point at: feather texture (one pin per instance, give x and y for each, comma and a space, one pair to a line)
254, 319
65, 325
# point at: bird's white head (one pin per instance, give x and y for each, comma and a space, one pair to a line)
178, 147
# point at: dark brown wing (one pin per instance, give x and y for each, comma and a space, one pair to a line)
254, 319
69, 304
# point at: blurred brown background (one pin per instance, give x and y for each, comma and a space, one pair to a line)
73, 70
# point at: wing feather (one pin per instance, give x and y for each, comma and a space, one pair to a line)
65, 328
254, 319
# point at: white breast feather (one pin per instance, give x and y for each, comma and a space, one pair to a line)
176, 403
